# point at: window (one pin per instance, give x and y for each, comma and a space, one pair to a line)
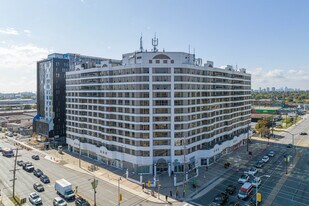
164, 61
172, 61
150, 61
157, 61
161, 70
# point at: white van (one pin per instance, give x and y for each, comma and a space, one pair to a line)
245, 190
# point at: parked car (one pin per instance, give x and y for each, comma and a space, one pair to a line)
303, 133
252, 201
233, 203
251, 171
35, 157
79, 201
221, 199
38, 173
230, 189
38, 187
20, 162
245, 191
243, 178
29, 168
256, 182
259, 164
44, 179
58, 201
289, 146
35, 199
271, 153
26, 164
265, 159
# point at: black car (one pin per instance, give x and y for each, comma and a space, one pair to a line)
44, 179
253, 201
233, 203
38, 187
230, 189
79, 201
289, 146
259, 164
303, 133
35, 157
38, 173
20, 162
221, 199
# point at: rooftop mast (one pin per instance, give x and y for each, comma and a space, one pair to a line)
155, 43
141, 43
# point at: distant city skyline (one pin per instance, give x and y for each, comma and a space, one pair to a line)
271, 44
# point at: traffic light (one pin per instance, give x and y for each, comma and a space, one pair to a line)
149, 183
285, 158
120, 197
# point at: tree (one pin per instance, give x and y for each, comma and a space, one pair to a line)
262, 126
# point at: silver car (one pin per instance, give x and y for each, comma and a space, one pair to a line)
35, 199
58, 201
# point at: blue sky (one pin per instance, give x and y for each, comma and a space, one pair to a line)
269, 38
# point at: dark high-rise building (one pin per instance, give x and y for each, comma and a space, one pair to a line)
50, 120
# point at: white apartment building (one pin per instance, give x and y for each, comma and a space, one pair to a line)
156, 110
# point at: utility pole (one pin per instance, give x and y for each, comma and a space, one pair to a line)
14, 173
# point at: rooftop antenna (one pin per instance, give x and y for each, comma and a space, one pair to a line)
141, 43
155, 43
189, 53
194, 55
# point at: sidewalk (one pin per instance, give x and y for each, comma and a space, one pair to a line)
108, 174
5, 201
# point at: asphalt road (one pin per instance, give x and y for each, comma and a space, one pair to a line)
106, 192
295, 189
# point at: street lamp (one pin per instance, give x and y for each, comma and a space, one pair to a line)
257, 190
94, 185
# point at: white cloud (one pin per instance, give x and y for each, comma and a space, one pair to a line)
9, 31
18, 66
27, 32
295, 78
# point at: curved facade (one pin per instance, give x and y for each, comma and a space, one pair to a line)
156, 110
